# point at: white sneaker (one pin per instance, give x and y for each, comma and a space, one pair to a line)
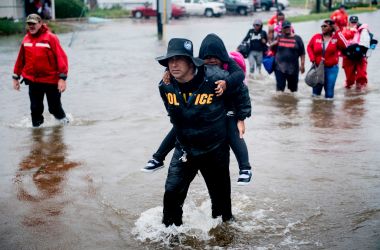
64, 121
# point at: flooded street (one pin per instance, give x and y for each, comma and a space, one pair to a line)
316, 181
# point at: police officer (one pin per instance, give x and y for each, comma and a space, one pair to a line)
199, 119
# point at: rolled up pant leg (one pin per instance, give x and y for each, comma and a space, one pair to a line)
180, 175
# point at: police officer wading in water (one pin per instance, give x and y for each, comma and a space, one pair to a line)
199, 119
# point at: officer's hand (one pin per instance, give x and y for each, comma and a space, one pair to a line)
241, 128
61, 85
16, 84
222, 85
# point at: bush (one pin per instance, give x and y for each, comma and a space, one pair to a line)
69, 8
8, 27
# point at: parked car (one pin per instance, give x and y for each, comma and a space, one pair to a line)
241, 7
202, 7
268, 4
148, 11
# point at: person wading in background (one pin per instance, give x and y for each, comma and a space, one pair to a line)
43, 65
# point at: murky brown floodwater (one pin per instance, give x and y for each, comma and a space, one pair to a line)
316, 181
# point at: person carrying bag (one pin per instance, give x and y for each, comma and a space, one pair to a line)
323, 50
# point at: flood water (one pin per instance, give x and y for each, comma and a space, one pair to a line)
316, 181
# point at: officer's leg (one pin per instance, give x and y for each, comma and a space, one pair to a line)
54, 101
180, 175
216, 173
36, 95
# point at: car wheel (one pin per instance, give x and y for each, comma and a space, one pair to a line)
242, 11
209, 13
281, 6
138, 14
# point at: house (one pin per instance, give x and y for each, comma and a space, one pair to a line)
12, 9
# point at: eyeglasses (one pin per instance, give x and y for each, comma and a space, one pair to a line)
324, 26
31, 24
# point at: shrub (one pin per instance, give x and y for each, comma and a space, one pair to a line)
8, 26
69, 8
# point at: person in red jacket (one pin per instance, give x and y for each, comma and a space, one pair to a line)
355, 56
340, 17
325, 47
43, 65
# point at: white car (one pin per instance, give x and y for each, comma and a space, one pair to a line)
202, 7
282, 4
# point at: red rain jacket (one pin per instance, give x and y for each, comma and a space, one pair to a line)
337, 43
41, 58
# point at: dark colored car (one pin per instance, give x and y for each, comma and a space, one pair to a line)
147, 11
263, 4
241, 7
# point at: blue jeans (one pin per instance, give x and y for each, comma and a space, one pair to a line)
331, 73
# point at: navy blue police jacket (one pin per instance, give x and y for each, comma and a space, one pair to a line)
199, 123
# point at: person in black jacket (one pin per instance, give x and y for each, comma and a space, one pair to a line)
238, 104
257, 39
199, 120
238, 107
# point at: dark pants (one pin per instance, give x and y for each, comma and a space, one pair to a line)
282, 78
166, 146
214, 167
237, 144
36, 95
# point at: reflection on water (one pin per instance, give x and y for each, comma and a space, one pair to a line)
322, 113
288, 107
354, 110
41, 175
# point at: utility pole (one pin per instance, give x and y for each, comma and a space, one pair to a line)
159, 20
318, 7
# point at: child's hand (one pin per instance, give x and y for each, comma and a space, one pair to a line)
222, 85
166, 77
241, 128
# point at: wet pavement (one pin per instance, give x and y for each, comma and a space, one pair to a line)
316, 181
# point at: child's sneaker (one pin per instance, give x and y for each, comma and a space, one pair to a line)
244, 177
153, 165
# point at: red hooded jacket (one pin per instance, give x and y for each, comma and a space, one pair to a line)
340, 17
314, 48
41, 58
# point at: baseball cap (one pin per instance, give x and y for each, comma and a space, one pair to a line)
286, 24
354, 19
258, 22
33, 18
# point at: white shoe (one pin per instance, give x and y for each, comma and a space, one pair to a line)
64, 121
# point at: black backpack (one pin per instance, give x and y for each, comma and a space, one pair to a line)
373, 41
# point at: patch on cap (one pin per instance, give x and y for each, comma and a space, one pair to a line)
188, 45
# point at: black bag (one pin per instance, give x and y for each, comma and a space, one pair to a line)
355, 52
243, 48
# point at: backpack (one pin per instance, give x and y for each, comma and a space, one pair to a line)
372, 41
